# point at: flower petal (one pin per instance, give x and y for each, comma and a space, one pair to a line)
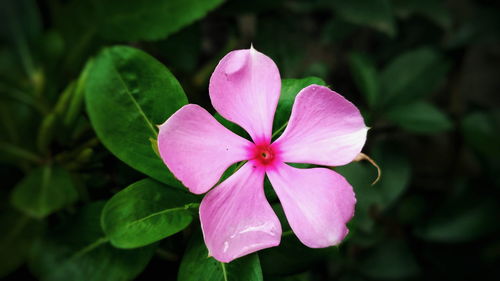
324, 129
236, 218
318, 203
245, 88
197, 149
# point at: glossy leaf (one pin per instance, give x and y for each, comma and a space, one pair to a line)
78, 250
145, 212
420, 117
128, 93
412, 75
289, 90
196, 265
43, 191
18, 234
365, 76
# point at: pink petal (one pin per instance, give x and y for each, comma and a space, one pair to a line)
324, 129
197, 149
236, 218
245, 88
317, 202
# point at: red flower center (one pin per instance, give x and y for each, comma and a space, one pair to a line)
264, 154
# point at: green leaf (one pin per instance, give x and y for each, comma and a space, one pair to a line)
412, 75
395, 179
78, 250
129, 20
396, 172
480, 130
460, 221
196, 265
127, 94
420, 117
43, 191
365, 76
360, 176
434, 10
18, 234
390, 260
376, 14
146, 212
289, 90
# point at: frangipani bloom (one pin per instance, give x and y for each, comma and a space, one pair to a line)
324, 129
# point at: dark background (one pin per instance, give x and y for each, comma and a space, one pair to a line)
425, 74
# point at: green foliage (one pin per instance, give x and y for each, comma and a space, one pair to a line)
420, 117
391, 260
366, 77
130, 20
44, 191
145, 212
19, 232
79, 250
376, 14
412, 75
79, 116
128, 94
197, 265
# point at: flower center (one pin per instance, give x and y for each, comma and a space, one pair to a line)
264, 154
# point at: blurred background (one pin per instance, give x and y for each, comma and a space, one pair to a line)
425, 74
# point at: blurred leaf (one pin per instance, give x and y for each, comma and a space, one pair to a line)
78, 250
460, 221
360, 176
129, 20
13, 154
336, 30
391, 260
196, 265
145, 212
182, 50
75, 99
434, 10
43, 191
480, 130
396, 172
376, 14
420, 117
127, 94
289, 90
21, 25
18, 234
46, 132
412, 75
365, 76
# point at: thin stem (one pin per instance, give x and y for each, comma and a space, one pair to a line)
279, 130
90, 247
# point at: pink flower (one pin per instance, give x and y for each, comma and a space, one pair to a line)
324, 129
